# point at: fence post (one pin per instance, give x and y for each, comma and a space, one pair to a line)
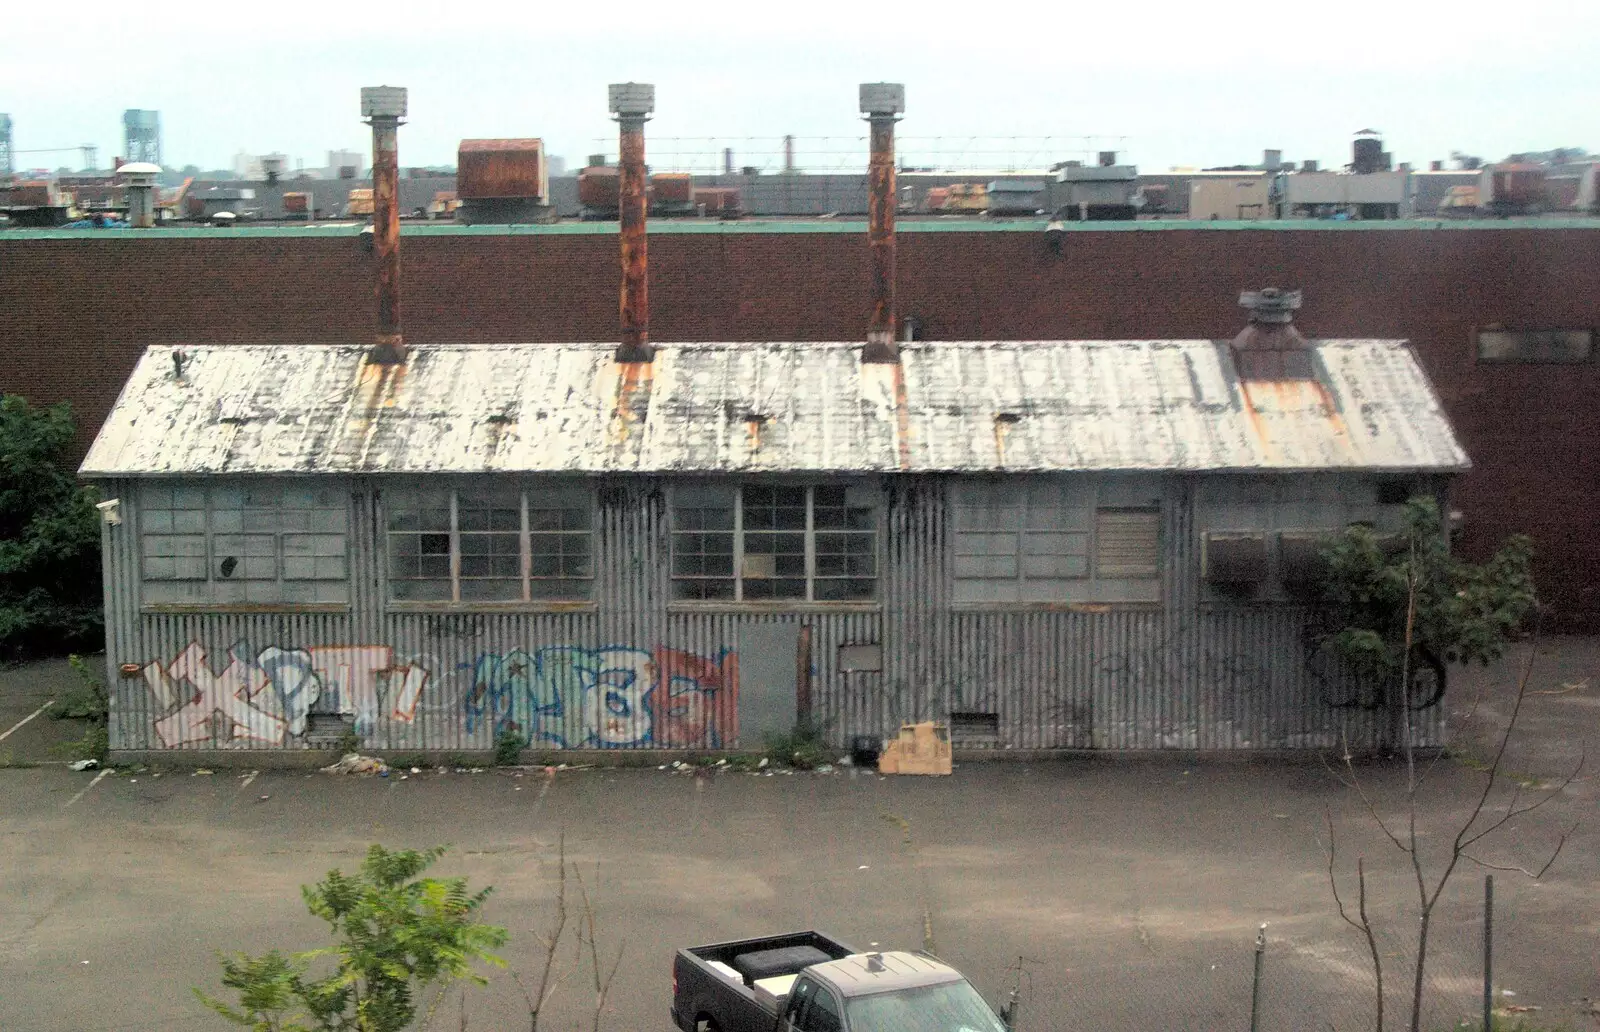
1255, 988
1488, 952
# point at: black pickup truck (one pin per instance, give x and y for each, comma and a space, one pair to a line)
808, 982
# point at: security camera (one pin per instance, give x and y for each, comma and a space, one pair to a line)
110, 511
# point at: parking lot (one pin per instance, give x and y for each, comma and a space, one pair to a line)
1131, 888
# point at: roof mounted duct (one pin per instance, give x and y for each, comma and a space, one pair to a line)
631, 105
882, 103
383, 107
1269, 347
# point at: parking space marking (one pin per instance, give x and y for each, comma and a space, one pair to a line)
25, 719
85, 789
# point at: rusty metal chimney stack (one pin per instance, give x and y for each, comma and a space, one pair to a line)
384, 107
631, 104
882, 103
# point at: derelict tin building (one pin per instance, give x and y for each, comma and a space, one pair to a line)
1051, 544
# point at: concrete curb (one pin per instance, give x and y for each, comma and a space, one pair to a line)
310, 759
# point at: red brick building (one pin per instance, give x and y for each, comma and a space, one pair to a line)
77, 308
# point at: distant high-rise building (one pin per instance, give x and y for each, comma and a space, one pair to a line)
141, 135
6, 167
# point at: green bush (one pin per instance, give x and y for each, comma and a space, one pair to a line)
1382, 592
396, 936
86, 700
50, 599
802, 748
508, 749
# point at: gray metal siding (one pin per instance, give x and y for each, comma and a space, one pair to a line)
633, 670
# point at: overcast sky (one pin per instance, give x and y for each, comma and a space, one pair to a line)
1191, 83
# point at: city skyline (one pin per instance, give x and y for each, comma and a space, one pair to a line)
1180, 89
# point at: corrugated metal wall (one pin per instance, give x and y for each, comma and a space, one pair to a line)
634, 671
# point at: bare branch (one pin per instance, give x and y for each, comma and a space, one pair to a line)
1500, 751
547, 983
1535, 875
602, 978
1333, 882
1513, 811
1566, 689
1364, 926
1354, 781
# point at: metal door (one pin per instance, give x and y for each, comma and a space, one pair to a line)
766, 680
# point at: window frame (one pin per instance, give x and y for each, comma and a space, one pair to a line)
734, 496
528, 495
1092, 587
209, 534
1513, 340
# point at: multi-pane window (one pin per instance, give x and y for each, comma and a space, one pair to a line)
761, 543
490, 545
1054, 540
1560, 347
231, 543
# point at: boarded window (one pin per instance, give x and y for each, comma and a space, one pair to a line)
252, 543
775, 543
1127, 544
492, 544
1052, 540
1536, 346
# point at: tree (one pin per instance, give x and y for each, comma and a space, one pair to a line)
1397, 611
397, 935
49, 536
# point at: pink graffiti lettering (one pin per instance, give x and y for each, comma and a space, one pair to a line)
265, 696
203, 696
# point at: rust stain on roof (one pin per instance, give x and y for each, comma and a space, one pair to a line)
1080, 406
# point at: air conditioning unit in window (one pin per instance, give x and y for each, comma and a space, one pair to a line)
1302, 559
1235, 558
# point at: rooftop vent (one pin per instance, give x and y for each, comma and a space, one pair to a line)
1269, 347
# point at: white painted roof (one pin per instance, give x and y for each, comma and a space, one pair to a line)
1174, 405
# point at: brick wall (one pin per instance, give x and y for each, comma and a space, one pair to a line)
75, 314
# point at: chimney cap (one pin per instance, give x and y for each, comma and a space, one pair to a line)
631, 98
383, 101
1270, 304
883, 98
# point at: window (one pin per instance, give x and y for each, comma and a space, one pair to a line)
1056, 540
824, 1014
774, 543
1127, 543
948, 1005
492, 545
230, 544
1535, 346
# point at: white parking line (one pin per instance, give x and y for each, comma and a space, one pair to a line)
25, 719
84, 791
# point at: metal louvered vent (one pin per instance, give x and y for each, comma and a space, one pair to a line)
1127, 543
